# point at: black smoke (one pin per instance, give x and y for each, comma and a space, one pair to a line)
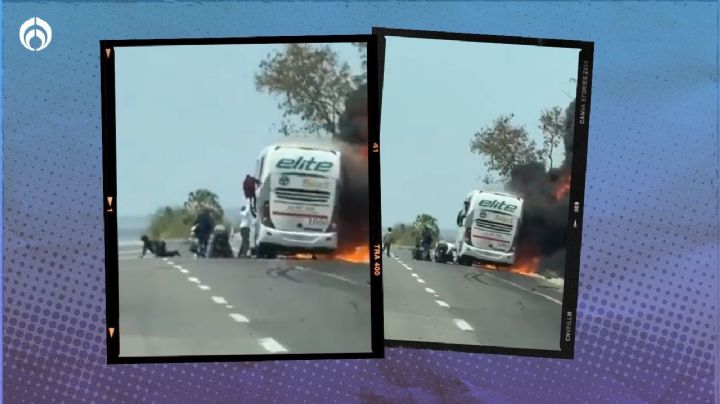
354, 220
353, 123
354, 199
545, 218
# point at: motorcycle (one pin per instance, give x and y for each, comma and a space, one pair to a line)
422, 252
194, 244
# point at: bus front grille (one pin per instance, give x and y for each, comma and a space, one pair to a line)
494, 226
302, 195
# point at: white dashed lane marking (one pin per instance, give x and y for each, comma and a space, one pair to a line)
443, 304
239, 318
463, 325
271, 345
527, 290
334, 276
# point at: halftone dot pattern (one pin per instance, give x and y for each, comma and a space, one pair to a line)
647, 315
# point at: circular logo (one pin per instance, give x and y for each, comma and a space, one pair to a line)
284, 180
483, 214
35, 31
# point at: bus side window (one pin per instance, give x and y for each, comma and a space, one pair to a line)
460, 217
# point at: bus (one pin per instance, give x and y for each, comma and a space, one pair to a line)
297, 200
488, 226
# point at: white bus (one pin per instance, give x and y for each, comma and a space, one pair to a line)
297, 200
488, 226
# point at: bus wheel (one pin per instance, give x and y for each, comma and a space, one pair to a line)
261, 251
269, 252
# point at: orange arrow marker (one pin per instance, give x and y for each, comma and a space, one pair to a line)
111, 331
107, 52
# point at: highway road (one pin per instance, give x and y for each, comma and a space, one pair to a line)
429, 302
186, 306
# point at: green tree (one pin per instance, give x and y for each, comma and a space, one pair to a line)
204, 198
312, 84
168, 223
424, 220
569, 132
405, 234
361, 78
552, 125
504, 145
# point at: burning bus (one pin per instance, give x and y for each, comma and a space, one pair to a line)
488, 227
297, 200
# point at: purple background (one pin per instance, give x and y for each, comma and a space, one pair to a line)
647, 317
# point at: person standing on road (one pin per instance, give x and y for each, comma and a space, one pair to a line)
204, 226
249, 189
388, 240
426, 242
245, 222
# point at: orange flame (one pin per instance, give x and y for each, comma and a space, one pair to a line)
528, 267
563, 187
300, 256
359, 255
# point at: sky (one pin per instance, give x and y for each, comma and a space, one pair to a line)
436, 95
189, 117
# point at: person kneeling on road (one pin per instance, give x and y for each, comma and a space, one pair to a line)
219, 245
157, 247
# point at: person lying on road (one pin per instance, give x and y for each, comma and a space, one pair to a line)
157, 247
